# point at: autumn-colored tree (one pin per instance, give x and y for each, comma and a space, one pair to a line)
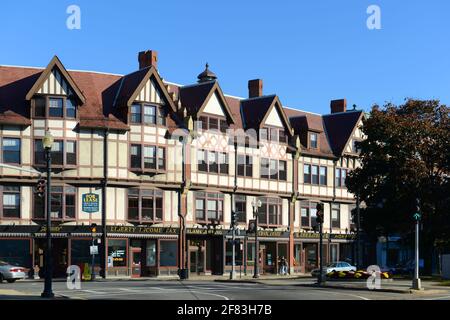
406, 156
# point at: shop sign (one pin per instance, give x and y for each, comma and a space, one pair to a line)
146, 230
213, 232
90, 202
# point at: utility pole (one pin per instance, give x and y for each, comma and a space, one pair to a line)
358, 242
416, 284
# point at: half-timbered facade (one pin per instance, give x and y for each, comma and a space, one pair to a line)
168, 164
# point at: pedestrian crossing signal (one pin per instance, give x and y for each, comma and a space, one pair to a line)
94, 228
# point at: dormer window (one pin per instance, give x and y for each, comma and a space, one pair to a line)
147, 114
313, 141
54, 107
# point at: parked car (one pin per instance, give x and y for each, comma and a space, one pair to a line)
335, 266
11, 273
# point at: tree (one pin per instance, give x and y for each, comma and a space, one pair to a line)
406, 156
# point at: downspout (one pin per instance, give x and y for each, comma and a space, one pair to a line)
104, 186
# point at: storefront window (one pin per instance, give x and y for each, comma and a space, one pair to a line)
151, 253
80, 253
168, 253
16, 252
117, 253
229, 254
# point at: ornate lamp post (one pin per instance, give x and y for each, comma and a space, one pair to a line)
47, 143
256, 204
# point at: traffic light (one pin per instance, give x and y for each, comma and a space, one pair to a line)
40, 188
319, 214
94, 228
234, 218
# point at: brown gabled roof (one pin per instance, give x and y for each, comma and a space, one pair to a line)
340, 127
256, 110
55, 62
14, 84
133, 83
195, 97
302, 122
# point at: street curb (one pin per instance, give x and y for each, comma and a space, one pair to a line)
401, 291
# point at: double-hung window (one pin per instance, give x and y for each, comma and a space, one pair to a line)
10, 202
245, 165
335, 215
63, 152
11, 150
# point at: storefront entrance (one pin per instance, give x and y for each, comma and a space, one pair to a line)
135, 259
59, 256
310, 251
206, 255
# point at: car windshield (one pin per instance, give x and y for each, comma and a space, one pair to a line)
3, 263
332, 265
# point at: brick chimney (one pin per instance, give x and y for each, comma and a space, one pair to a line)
255, 88
148, 58
338, 105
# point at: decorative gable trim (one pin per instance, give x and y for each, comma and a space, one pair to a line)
277, 104
226, 108
152, 74
49, 73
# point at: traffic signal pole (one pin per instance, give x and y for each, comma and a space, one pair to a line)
319, 219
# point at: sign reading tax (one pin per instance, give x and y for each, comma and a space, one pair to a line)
90, 202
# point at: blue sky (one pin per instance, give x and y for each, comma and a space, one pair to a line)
307, 52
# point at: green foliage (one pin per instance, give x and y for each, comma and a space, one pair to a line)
406, 156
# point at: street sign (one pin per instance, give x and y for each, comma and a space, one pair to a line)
417, 216
90, 202
93, 249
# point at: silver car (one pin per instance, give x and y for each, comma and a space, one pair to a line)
335, 266
11, 273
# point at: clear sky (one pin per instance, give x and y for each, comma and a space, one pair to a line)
307, 52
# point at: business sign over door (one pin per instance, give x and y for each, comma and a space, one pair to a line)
90, 202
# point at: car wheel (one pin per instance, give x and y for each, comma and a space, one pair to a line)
11, 280
1, 278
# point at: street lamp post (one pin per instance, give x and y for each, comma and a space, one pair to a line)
48, 293
416, 285
256, 204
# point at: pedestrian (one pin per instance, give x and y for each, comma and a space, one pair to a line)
283, 266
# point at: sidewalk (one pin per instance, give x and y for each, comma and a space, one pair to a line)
219, 278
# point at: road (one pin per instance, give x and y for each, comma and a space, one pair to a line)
207, 290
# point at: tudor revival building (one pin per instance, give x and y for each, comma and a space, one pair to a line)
168, 164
